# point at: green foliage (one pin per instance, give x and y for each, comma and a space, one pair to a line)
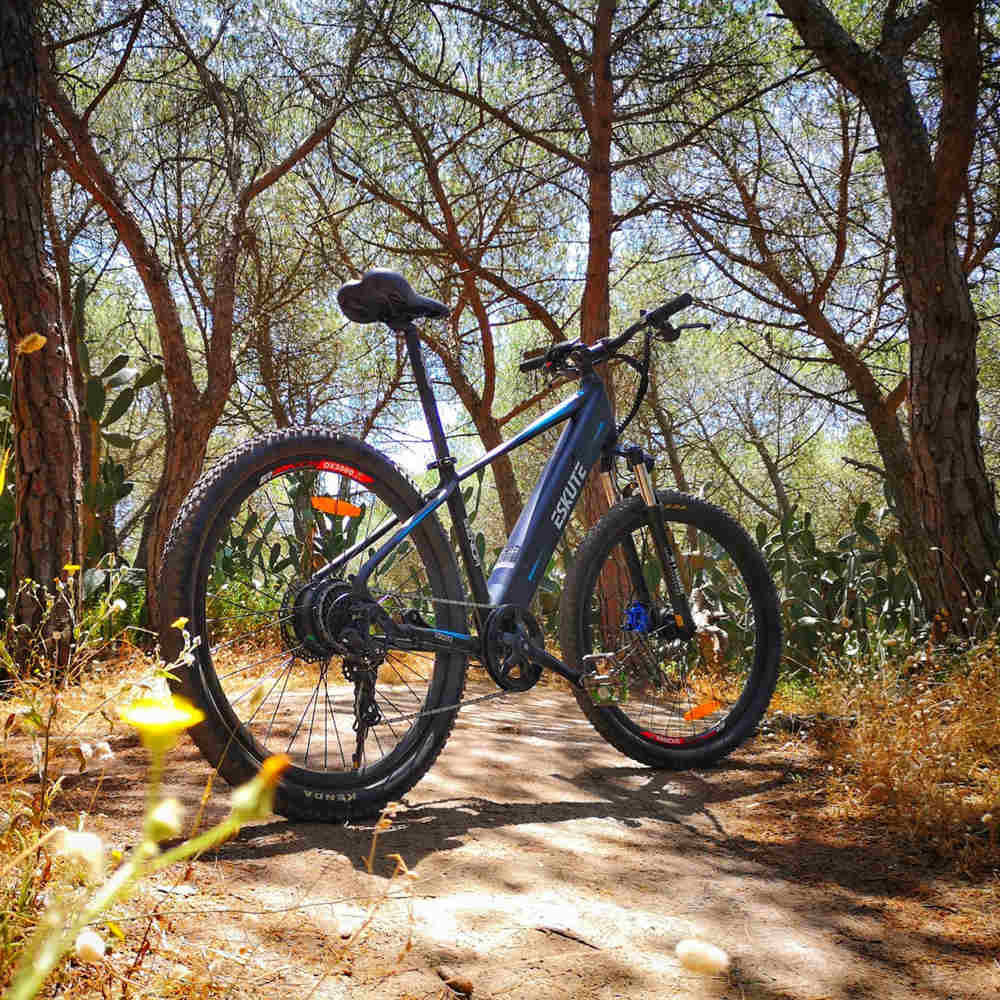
109, 396
831, 594
110, 487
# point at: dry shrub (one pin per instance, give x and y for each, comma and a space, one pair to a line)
919, 751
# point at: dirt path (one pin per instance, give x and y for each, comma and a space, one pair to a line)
551, 867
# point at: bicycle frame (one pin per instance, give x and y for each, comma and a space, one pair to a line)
519, 569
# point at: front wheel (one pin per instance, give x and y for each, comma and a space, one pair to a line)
665, 701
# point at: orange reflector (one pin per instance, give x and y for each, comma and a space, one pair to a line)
700, 711
329, 505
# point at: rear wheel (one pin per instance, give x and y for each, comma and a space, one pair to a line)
665, 701
239, 565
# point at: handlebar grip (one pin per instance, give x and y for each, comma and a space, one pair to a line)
662, 313
531, 361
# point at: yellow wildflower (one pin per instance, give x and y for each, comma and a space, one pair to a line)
161, 720
33, 342
255, 799
72, 568
273, 768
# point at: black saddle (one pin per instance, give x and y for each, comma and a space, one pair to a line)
386, 297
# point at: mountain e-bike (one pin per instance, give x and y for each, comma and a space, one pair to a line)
330, 622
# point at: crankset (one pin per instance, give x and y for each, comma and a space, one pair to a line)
512, 640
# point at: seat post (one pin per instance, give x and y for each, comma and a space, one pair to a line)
427, 399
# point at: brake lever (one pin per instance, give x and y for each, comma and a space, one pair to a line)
669, 333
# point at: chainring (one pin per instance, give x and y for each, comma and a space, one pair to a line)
509, 631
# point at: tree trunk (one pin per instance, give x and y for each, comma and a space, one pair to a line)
595, 308
44, 417
956, 501
511, 503
947, 501
185, 453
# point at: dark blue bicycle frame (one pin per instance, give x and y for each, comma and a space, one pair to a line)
521, 565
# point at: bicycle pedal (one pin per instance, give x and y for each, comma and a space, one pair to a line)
603, 689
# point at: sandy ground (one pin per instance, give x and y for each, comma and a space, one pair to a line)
549, 866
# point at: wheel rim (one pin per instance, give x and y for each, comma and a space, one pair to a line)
276, 691
673, 693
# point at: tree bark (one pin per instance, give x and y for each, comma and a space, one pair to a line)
194, 412
44, 406
595, 307
956, 538
508, 492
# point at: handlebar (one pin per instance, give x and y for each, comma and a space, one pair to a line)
531, 361
551, 358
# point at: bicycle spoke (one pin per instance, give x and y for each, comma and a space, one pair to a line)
275, 666
336, 729
247, 667
243, 636
274, 714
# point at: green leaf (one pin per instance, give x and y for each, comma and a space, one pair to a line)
117, 440
122, 402
92, 579
96, 398
116, 364
121, 378
149, 377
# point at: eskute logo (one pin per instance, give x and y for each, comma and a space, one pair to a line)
569, 494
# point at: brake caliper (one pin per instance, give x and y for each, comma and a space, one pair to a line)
637, 618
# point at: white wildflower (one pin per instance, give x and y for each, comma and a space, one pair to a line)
79, 845
118, 606
89, 947
166, 820
251, 801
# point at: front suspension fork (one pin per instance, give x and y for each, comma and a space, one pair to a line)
663, 542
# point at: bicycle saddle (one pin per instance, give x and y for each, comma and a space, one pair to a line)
386, 297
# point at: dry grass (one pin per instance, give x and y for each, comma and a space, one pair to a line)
152, 958
918, 750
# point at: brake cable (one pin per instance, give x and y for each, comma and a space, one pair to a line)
643, 369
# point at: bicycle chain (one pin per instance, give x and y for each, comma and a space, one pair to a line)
492, 696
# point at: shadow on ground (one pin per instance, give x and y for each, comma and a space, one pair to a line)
550, 866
